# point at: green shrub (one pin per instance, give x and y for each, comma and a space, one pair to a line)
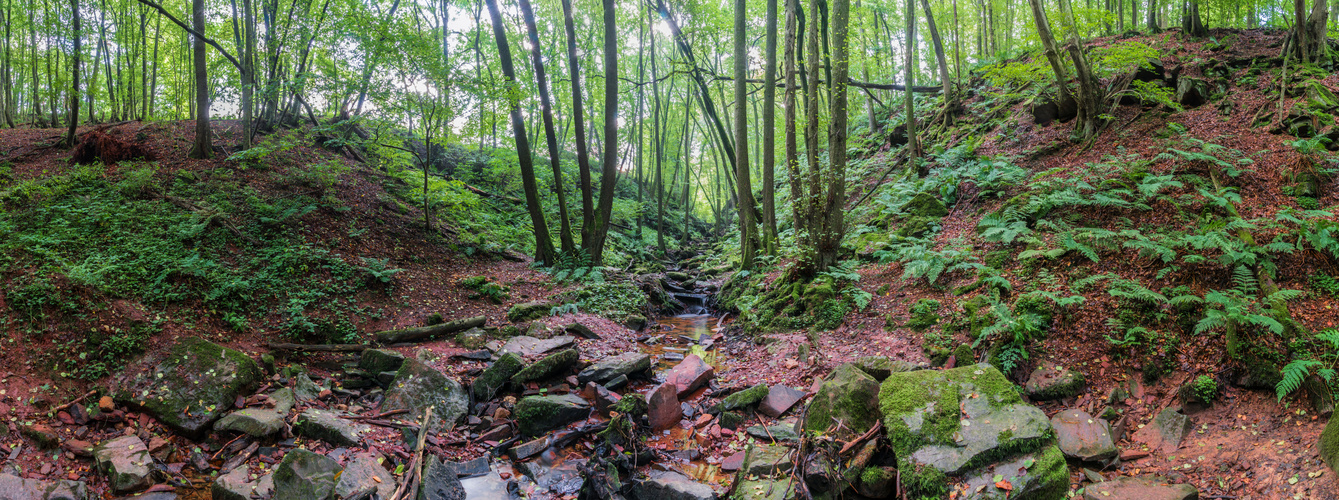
1205, 388
483, 287
924, 314
612, 299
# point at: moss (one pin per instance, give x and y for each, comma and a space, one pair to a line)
924, 314
849, 395
925, 205
632, 406
496, 376
817, 293
745, 398
916, 227
831, 314
549, 366
1329, 444
963, 355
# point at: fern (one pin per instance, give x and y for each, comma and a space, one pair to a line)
1294, 373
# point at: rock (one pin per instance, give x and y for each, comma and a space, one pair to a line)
1165, 431
428, 332
536, 415
848, 395
945, 422
767, 460
560, 480
607, 369
106, 404
1191, 92
663, 407
781, 433
79, 448
689, 374
1041, 474
234, 486
358, 479
635, 322
529, 448
125, 461
529, 311
1050, 381
418, 386
189, 386
380, 360
779, 399
527, 346
765, 489
304, 475
474, 338
1083, 437
304, 389
16, 488
472, 468
42, 435
730, 420
580, 330
554, 364
440, 482
1329, 444
876, 482
734, 462
329, 427
258, 422
496, 376
669, 485
604, 398
743, 399
925, 205
880, 367
1139, 488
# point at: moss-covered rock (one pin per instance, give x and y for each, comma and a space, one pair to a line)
551, 365
916, 227
380, 360
925, 205
1051, 381
1040, 475
924, 314
476, 338
529, 311
189, 386
304, 475
418, 386
496, 376
943, 423
536, 415
850, 396
1329, 445
880, 367
743, 399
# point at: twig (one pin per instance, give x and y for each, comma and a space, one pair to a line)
380, 415
66, 406
225, 446
869, 433
415, 465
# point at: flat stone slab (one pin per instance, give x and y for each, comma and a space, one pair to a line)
536, 415
610, 368
666, 485
663, 407
125, 461
1051, 381
1139, 488
189, 386
781, 433
1083, 436
327, 426
526, 346
551, 365
16, 488
418, 386
767, 460
258, 422
236, 485
780, 399
363, 475
304, 475
1165, 431
766, 489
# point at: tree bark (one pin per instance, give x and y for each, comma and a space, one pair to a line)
769, 238
913, 142
551, 135
70, 138
746, 217
609, 160
203, 146
792, 142
833, 215
544, 251
939, 55
579, 123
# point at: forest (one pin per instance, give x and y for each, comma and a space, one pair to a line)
644, 250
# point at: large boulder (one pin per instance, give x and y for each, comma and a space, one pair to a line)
536, 415
125, 461
1329, 445
689, 374
849, 395
258, 422
551, 365
529, 311
16, 488
418, 386
607, 369
1083, 437
327, 426
440, 481
188, 386
363, 476
304, 475
380, 360
670, 485
947, 422
1139, 488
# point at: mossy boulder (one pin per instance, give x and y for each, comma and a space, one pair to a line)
817, 293
1051, 381
925, 205
759, 489
303, 475
475, 338
551, 365
189, 386
850, 396
1041, 475
536, 415
1329, 445
529, 311
880, 367
380, 360
743, 399
945, 423
418, 386
916, 227
496, 376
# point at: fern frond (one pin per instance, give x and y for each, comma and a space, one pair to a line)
1293, 374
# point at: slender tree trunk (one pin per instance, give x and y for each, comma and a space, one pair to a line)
833, 215
747, 226
203, 146
579, 123
70, 138
544, 251
792, 142
949, 101
659, 144
551, 135
609, 167
913, 142
1153, 26
704, 92
769, 134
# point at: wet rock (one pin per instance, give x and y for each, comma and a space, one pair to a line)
1139, 488
16, 488
554, 364
235, 486
779, 399
765, 489
743, 399
848, 395
668, 485
418, 386
580, 330
734, 462
125, 461
380, 360
527, 346
1082, 436
496, 376
635, 322
880, 367
767, 460
472, 468
561, 480
536, 415
1165, 431
608, 369
189, 386
876, 482
303, 475
304, 389
440, 482
283, 399
782, 433
529, 311
529, 448
1041, 474
1050, 381
689, 374
945, 422
663, 407
327, 426
258, 422
730, 420
79, 448
42, 435
604, 398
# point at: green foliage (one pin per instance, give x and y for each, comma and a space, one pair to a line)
1319, 354
483, 287
924, 314
611, 299
1205, 388
1239, 307
1326, 284
1014, 331
920, 261
1122, 57
379, 270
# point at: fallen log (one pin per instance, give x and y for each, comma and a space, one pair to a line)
280, 346
428, 332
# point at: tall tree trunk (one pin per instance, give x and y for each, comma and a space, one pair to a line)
609, 160
1191, 24
1089, 98
203, 146
544, 251
833, 214
74, 75
1153, 26
808, 264
579, 124
1052, 53
551, 135
792, 142
704, 92
769, 238
913, 142
659, 142
949, 100
747, 226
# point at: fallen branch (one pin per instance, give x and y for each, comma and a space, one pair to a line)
428, 332
380, 415
66, 406
868, 434
409, 485
280, 346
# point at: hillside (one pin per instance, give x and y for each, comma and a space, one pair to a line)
1181, 266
